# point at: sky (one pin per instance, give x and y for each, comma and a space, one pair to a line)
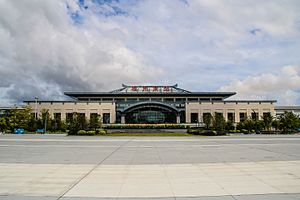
251, 47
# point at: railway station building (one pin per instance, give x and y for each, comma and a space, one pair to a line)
135, 104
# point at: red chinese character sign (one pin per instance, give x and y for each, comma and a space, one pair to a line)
145, 89
134, 88
150, 89
166, 89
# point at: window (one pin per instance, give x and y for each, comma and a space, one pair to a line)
169, 99
93, 116
57, 117
266, 114
204, 99
243, 116
69, 117
155, 99
254, 116
217, 99
218, 114
144, 99
131, 99
192, 99
81, 116
106, 118
180, 99
119, 99
230, 117
194, 118
107, 99
83, 99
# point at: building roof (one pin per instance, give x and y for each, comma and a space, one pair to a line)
287, 107
149, 90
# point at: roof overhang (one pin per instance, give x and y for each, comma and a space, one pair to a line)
77, 95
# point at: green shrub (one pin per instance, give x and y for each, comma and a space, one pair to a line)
194, 131
205, 132
244, 131
147, 126
91, 133
81, 132
102, 132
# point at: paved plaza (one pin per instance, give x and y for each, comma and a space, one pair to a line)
52, 167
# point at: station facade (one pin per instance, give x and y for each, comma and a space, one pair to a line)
134, 104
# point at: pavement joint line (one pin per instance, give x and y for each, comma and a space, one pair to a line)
204, 139
216, 181
125, 177
164, 169
90, 171
276, 152
255, 177
148, 146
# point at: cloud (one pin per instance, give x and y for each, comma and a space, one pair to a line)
52, 46
43, 53
283, 86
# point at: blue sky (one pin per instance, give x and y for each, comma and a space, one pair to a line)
251, 47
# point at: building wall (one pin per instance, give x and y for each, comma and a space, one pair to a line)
228, 107
79, 107
191, 107
281, 109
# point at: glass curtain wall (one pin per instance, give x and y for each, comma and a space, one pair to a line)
150, 115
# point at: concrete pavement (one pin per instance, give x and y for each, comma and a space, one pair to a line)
70, 168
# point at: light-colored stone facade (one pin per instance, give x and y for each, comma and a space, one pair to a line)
236, 107
224, 107
80, 107
154, 104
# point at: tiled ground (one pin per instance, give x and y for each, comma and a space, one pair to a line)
149, 168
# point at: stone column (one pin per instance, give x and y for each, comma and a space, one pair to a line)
178, 119
122, 119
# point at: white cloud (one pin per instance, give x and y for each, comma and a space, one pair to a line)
43, 53
200, 44
283, 85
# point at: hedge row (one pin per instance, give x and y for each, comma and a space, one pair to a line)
90, 133
147, 126
204, 132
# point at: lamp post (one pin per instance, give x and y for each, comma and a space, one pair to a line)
46, 122
36, 100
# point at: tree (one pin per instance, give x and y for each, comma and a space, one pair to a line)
32, 124
248, 124
258, 125
19, 118
207, 120
276, 124
95, 121
77, 122
45, 120
229, 125
82, 121
288, 122
3, 124
267, 119
218, 122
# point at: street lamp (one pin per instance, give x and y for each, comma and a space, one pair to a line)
36, 100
